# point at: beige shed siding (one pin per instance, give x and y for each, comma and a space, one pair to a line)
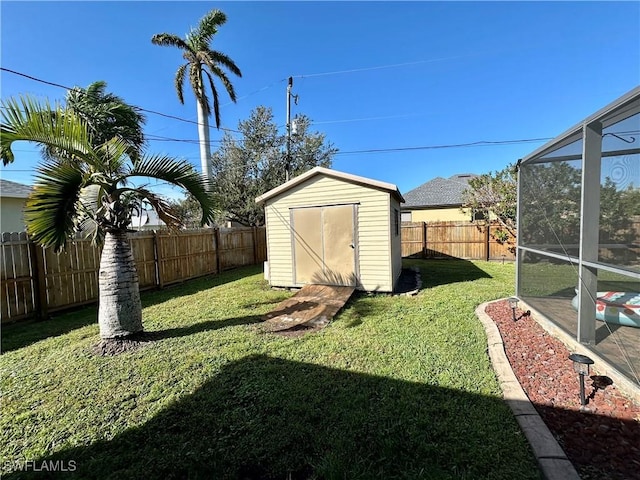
372, 228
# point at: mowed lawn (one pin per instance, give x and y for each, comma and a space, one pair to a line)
394, 387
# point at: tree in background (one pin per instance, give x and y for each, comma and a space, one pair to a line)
188, 210
494, 195
203, 65
615, 217
631, 200
246, 168
86, 188
550, 216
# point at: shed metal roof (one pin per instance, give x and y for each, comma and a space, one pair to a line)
438, 192
13, 189
366, 182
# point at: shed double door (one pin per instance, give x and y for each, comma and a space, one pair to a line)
324, 245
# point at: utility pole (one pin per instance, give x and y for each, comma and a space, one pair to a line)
295, 99
288, 160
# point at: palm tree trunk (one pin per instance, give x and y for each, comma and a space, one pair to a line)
203, 135
120, 310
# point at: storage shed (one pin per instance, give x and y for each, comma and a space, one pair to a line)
333, 228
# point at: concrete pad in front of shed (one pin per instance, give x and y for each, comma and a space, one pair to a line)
311, 308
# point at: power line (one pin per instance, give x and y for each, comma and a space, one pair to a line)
158, 138
481, 143
30, 77
387, 117
256, 91
380, 67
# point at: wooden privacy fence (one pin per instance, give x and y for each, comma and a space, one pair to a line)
473, 241
36, 281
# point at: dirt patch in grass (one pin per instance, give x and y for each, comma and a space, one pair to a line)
602, 442
116, 346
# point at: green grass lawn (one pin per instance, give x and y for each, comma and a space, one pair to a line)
395, 387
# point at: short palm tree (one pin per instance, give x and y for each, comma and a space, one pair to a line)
87, 189
202, 62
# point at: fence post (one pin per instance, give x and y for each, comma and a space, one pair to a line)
487, 238
39, 279
255, 244
424, 239
216, 242
157, 260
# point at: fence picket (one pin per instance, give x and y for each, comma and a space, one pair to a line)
35, 281
466, 240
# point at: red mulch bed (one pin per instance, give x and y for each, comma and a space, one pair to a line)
603, 442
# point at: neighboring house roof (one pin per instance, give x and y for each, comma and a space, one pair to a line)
439, 192
14, 190
367, 182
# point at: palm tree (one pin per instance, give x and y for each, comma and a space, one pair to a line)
202, 62
107, 116
87, 189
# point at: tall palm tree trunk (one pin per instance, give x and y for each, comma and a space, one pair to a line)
203, 135
120, 310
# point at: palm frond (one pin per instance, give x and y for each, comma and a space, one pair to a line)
170, 40
112, 160
24, 118
218, 58
179, 81
195, 78
218, 72
52, 206
182, 174
166, 212
96, 90
107, 115
208, 27
216, 100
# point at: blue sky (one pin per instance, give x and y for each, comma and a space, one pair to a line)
390, 76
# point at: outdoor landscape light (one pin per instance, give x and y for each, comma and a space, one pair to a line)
581, 366
513, 303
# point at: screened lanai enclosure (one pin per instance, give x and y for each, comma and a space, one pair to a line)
578, 251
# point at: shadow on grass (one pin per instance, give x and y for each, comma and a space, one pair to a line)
445, 272
24, 333
269, 418
206, 326
21, 334
358, 308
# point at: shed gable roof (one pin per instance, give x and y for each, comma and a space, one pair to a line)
13, 189
366, 182
439, 192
